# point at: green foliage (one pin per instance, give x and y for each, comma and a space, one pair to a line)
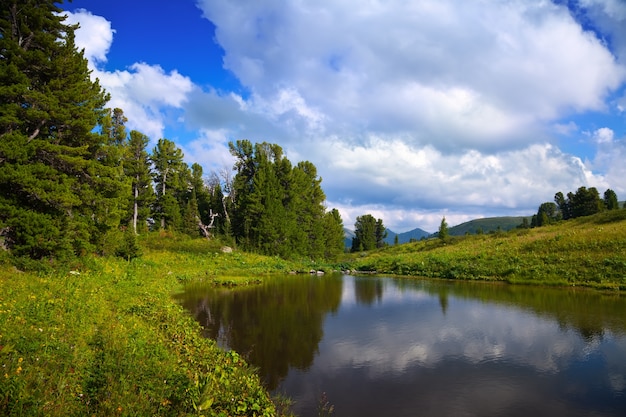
129, 248
58, 193
443, 230
170, 173
277, 209
369, 233
137, 169
610, 200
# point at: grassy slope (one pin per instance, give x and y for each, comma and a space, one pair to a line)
588, 251
108, 339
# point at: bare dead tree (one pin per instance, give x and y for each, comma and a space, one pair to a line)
206, 228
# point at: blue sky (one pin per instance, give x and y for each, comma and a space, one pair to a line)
410, 110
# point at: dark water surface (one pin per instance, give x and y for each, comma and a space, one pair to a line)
409, 347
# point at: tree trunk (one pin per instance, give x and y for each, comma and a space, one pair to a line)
135, 206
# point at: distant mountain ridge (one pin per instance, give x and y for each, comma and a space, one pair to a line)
487, 225
484, 225
405, 237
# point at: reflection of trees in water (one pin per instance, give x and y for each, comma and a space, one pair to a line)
276, 326
367, 290
590, 313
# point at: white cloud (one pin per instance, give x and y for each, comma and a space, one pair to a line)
145, 92
401, 184
603, 135
94, 36
475, 75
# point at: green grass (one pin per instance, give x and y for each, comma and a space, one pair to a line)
108, 339
589, 251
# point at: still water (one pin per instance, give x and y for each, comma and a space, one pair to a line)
372, 346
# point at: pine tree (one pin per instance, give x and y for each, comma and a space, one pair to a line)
56, 193
169, 169
137, 169
443, 230
333, 235
365, 233
610, 200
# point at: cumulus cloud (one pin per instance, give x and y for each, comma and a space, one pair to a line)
603, 135
470, 75
412, 111
94, 36
145, 92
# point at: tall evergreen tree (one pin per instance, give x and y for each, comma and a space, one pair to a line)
563, 205
169, 171
443, 230
277, 209
610, 200
585, 202
333, 235
381, 233
203, 198
56, 192
365, 233
138, 170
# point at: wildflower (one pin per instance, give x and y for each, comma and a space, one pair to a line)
18, 370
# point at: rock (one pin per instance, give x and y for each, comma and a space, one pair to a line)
227, 249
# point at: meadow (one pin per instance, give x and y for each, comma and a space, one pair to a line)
105, 337
587, 251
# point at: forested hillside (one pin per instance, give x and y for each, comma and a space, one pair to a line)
73, 179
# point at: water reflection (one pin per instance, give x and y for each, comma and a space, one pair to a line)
276, 326
406, 347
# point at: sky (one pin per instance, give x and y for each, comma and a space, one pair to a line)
411, 110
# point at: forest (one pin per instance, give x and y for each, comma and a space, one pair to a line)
73, 179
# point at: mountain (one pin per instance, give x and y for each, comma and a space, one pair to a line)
415, 234
405, 237
347, 237
486, 225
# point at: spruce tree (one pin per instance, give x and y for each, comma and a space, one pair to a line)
443, 230
138, 170
333, 235
169, 169
365, 233
55, 190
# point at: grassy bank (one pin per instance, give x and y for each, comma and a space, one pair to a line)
106, 338
588, 251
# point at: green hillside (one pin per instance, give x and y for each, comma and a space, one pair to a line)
487, 225
587, 251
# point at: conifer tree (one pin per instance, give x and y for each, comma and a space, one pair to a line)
138, 170
55, 189
443, 230
364, 233
333, 235
277, 209
169, 169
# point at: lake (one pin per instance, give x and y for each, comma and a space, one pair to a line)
372, 346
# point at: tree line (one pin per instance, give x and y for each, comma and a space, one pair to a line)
72, 177
584, 202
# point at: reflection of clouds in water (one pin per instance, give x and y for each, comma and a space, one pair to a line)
469, 331
391, 293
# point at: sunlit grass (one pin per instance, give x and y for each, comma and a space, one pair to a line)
588, 251
109, 339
